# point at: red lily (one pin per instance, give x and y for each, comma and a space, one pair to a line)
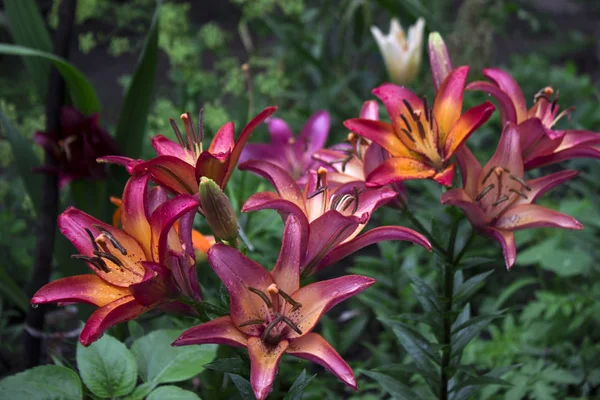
421, 140
541, 144
179, 166
138, 268
271, 315
331, 220
498, 201
291, 153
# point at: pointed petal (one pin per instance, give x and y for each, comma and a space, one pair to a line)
124, 309
370, 110
392, 97
202, 243
262, 151
89, 289
223, 141
508, 152
376, 235
171, 172
439, 59
134, 211
472, 119
506, 83
398, 169
445, 177
576, 152
314, 133
239, 273
374, 157
73, 222
279, 130
313, 347
507, 108
167, 147
264, 360
541, 185
320, 297
534, 216
381, 133
470, 169
507, 241
286, 272
161, 222
185, 231
156, 196
281, 180
218, 331
213, 167
447, 106
576, 138
459, 198
241, 141
532, 134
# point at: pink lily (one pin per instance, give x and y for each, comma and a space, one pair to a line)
138, 268
270, 314
331, 220
291, 153
541, 144
421, 140
498, 201
179, 166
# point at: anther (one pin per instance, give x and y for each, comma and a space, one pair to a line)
487, 175
523, 195
270, 327
188, 129
295, 305
316, 192
421, 129
500, 200
291, 324
521, 181
177, 132
112, 239
409, 107
91, 238
95, 261
412, 139
406, 122
201, 126
484, 192
426, 108
252, 322
109, 257
263, 296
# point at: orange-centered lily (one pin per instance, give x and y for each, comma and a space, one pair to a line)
270, 314
421, 140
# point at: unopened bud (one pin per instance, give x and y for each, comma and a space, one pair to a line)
439, 59
218, 210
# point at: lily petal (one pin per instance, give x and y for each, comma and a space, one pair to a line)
541, 185
239, 273
281, 180
439, 59
445, 177
447, 106
134, 211
167, 147
315, 348
264, 360
157, 286
315, 131
535, 216
508, 152
381, 133
213, 167
279, 130
470, 169
507, 241
88, 288
393, 97
286, 272
370, 110
124, 309
320, 297
459, 198
575, 152
376, 235
511, 88
128, 163
398, 169
472, 119
171, 172
507, 108
223, 141
218, 331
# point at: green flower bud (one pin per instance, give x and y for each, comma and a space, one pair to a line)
218, 210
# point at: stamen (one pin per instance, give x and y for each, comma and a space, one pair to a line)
421, 129
409, 107
252, 322
178, 134
406, 122
484, 192
95, 261
270, 327
112, 239
109, 257
521, 181
91, 238
316, 192
201, 127
295, 305
500, 200
262, 296
487, 175
188, 130
426, 108
289, 323
523, 195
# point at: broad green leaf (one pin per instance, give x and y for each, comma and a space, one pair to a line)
141, 391
136, 330
243, 387
160, 362
464, 292
297, 389
232, 365
29, 30
172, 393
81, 91
48, 382
131, 127
13, 292
25, 159
107, 367
398, 390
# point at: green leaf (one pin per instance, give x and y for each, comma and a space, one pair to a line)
352, 332
107, 367
29, 30
466, 392
25, 159
464, 333
13, 292
297, 389
469, 287
136, 330
138, 99
230, 365
141, 391
243, 386
160, 362
81, 91
426, 296
48, 382
511, 290
172, 393
398, 390
480, 381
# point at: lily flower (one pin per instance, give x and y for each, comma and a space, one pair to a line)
137, 268
401, 53
180, 165
80, 141
498, 201
541, 143
421, 140
270, 314
331, 220
289, 152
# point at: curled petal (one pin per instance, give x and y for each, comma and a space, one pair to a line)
314, 133
398, 169
447, 106
370, 110
445, 177
575, 152
374, 156
320, 297
541, 185
213, 167
239, 273
124, 309
134, 211
507, 108
459, 198
286, 272
171, 172
507, 241
218, 331
314, 347
281, 180
185, 231
375, 235
166, 147
89, 289
223, 141
128, 163
264, 360
534, 216
506, 83
157, 286
472, 119
531, 131
381, 133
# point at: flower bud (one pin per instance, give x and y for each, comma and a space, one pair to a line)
218, 210
439, 59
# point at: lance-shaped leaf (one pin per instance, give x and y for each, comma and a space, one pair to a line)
398, 390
